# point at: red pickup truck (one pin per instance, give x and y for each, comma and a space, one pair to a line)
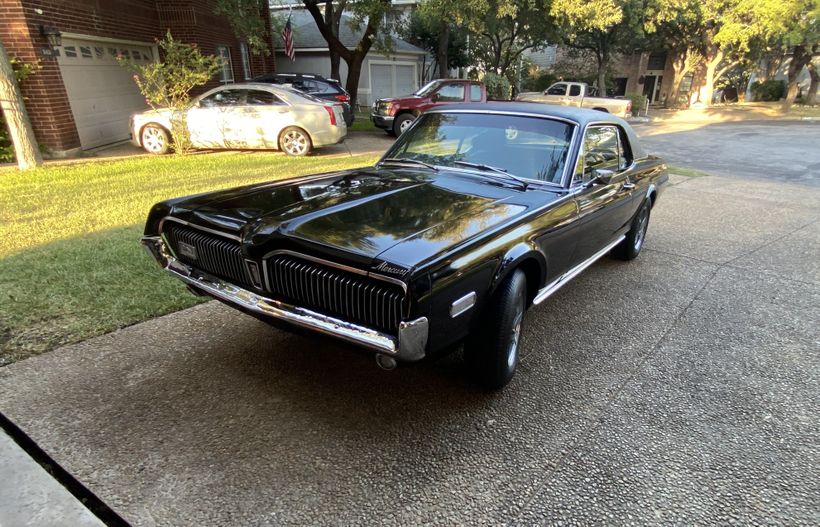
396, 114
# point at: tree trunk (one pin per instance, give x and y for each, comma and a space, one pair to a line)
354, 71
441, 52
800, 58
811, 97
333, 23
26, 149
713, 60
603, 62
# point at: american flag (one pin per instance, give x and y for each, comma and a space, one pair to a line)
287, 37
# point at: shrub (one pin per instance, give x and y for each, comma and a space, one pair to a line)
498, 87
770, 90
21, 71
638, 102
538, 80
168, 84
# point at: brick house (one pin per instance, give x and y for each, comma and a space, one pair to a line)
81, 97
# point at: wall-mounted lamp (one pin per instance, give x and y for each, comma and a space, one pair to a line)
53, 35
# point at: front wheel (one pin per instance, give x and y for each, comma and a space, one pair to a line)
402, 123
492, 353
631, 246
294, 142
155, 139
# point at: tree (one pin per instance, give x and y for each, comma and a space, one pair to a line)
168, 84
246, 20
501, 30
811, 97
802, 27
602, 27
369, 15
26, 149
424, 30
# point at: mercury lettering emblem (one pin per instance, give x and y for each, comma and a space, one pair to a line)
385, 267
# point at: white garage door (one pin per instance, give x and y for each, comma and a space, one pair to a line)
101, 92
392, 79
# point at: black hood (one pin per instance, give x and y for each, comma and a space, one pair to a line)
364, 216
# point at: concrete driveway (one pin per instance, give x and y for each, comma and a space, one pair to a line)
680, 388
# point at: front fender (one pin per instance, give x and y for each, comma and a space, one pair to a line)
526, 254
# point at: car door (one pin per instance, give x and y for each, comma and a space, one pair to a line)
557, 93
208, 118
574, 97
603, 190
262, 118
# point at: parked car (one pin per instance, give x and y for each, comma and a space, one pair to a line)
581, 95
395, 115
475, 214
247, 116
316, 85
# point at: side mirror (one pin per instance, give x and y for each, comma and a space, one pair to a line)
435, 97
602, 176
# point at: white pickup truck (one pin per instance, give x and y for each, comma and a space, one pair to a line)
581, 95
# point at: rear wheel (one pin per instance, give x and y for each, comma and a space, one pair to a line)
402, 123
631, 246
492, 353
294, 141
155, 139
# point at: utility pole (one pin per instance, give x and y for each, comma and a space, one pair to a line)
11, 101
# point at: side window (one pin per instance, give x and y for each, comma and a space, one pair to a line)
222, 98
602, 150
475, 92
262, 98
574, 90
451, 92
557, 89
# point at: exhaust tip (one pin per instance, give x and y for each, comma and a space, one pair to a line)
385, 362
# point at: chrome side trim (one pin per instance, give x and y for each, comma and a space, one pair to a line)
463, 304
409, 345
558, 283
335, 265
195, 226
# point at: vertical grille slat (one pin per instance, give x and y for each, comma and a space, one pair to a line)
335, 292
215, 255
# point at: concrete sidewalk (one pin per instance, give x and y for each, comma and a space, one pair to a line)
30, 496
680, 388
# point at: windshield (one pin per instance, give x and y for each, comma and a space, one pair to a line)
426, 89
528, 147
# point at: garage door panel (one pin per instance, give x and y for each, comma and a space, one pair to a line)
102, 93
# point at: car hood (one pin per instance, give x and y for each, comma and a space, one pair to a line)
365, 217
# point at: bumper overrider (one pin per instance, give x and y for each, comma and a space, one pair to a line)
409, 345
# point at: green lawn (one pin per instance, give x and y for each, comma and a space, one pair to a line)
71, 266
362, 123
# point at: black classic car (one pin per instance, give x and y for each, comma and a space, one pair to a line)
476, 213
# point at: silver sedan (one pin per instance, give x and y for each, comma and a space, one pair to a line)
247, 116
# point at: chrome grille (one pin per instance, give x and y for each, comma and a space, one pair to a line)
352, 297
216, 255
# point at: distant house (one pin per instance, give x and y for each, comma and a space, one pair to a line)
81, 97
382, 75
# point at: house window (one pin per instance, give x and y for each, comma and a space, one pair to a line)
246, 60
226, 72
657, 61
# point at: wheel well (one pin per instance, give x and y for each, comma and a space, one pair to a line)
411, 113
146, 125
601, 109
532, 270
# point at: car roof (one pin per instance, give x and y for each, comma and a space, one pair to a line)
582, 116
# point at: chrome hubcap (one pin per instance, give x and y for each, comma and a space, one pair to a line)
643, 221
295, 143
404, 125
153, 139
515, 337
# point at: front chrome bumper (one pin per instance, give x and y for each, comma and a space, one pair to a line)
410, 344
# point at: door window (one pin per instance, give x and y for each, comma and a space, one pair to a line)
222, 98
574, 90
451, 92
557, 89
602, 150
262, 98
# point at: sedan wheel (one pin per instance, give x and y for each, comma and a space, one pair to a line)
155, 139
492, 353
294, 142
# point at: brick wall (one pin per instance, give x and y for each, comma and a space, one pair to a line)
140, 20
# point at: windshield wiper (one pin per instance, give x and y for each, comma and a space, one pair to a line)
408, 161
497, 170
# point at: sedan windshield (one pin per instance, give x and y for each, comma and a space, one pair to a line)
526, 147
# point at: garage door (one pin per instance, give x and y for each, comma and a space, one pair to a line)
391, 80
101, 92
